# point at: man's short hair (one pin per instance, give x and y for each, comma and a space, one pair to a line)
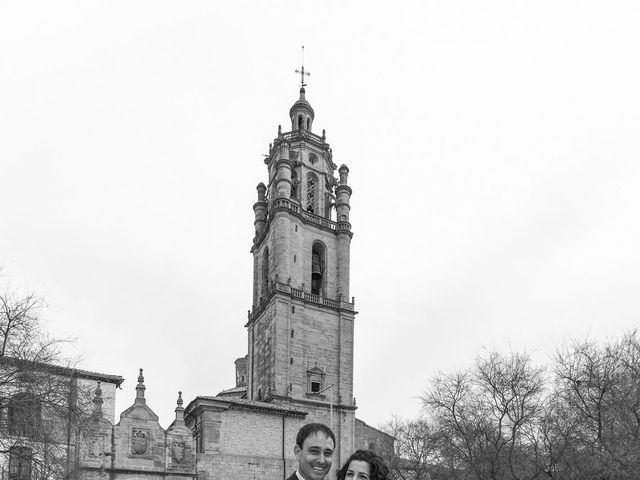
313, 428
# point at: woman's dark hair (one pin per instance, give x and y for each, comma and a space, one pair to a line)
379, 469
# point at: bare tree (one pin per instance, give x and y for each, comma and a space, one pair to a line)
40, 403
504, 418
488, 416
599, 384
416, 450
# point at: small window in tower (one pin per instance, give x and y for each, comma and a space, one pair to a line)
291, 333
296, 228
315, 380
290, 387
294, 259
293, 309
291, 360
259, 394
308, 123
299, 122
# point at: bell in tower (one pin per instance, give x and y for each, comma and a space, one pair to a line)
317, 268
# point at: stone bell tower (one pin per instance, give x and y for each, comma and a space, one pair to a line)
300, 329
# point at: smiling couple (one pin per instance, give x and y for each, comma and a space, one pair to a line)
314, 448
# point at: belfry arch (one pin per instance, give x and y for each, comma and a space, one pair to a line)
318, 268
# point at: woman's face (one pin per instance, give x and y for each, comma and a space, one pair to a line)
358, 470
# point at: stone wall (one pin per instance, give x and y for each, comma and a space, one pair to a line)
370, 438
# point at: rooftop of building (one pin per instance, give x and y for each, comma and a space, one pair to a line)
66, 371
245, 404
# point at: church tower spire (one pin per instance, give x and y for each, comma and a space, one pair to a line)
301, 113
300, 327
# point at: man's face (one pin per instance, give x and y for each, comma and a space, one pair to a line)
314, 458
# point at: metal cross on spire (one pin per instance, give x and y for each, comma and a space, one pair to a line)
302, 72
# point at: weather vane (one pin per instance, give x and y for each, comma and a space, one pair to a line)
302, 72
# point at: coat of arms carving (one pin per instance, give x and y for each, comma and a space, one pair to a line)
96, 445
139, 441
177, 452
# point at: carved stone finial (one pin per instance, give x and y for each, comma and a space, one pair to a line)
97, 401
279, 130
140, 388
179, 409
324, 135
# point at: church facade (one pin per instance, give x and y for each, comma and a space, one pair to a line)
298, 367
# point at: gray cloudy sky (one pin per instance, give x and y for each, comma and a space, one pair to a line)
493, 149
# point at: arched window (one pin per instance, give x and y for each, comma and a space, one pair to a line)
312, 193
317, 268
300, 122
265, 272
24, 414
308, 123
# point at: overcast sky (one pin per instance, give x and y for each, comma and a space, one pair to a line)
494, 152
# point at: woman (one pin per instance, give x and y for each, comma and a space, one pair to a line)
364, 465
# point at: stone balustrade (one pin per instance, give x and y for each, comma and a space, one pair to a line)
308, 217
300, 294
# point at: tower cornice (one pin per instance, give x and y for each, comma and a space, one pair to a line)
295, 293
303, 136
294, 208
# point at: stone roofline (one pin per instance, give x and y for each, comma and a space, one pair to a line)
241, 388
62, 371
283, 288
226, 403
304, 136
315, 400
374, 428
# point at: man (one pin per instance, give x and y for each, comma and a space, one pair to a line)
314, 448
